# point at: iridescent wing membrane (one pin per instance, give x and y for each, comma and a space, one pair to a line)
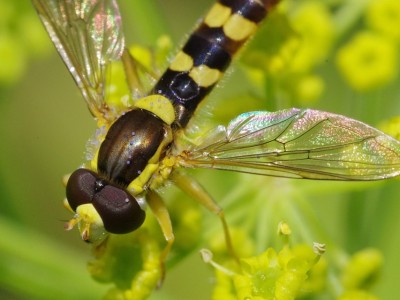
298, 143
88, 36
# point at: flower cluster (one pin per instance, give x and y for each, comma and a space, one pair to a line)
300, 38
287, 274
369, 59
304, 39
294, 272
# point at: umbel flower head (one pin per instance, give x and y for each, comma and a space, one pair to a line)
294, 272
368, 61
285, 274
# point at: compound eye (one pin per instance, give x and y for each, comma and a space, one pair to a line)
119, 211
80, 188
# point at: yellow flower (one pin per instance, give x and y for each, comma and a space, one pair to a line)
384, 16
141, 251
283, 275
368, 61
309, 88
314, 25
362, 270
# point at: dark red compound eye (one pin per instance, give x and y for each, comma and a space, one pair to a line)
80, 188
119, 210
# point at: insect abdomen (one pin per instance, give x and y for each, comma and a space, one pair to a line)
208, 52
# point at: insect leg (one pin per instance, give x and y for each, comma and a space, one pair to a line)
193, 189
160, 211
133, 71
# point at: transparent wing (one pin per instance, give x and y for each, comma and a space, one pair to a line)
298, 143
88, 36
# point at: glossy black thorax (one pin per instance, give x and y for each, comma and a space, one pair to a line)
130, 143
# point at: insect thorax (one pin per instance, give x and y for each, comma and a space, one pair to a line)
132, 149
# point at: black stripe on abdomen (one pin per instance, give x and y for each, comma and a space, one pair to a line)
208, 52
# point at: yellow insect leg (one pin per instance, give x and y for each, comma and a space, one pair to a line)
193, 189
132, 66
160, 211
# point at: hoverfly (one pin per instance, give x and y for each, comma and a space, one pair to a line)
145, 146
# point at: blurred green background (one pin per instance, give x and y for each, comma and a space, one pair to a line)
45, 125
